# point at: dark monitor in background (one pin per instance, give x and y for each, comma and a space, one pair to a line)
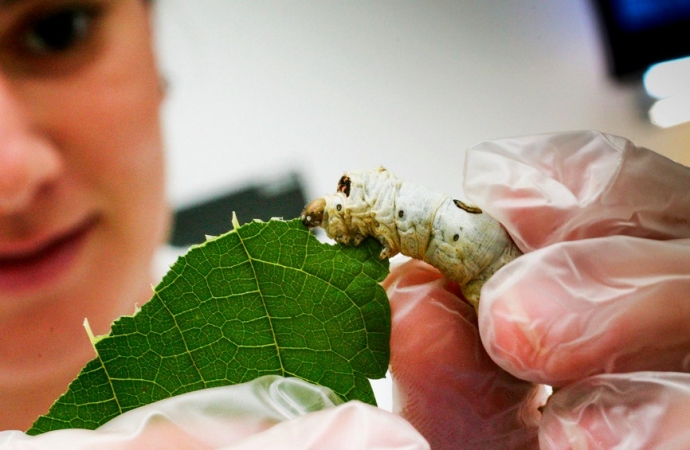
640, 33
283, 198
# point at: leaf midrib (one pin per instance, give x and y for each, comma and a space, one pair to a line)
250, 259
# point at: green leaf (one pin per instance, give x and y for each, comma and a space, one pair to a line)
265, 298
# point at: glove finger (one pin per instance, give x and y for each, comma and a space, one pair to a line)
445, 383
633, 411
567, 186
572, 310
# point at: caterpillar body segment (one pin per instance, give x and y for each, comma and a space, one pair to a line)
465, 244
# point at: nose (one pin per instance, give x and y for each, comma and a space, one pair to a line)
28, 161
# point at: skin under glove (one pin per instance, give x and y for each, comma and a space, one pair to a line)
445, 384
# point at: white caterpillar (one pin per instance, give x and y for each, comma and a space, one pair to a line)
464, 243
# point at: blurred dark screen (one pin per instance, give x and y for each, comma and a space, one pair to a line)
213, 216
640, 33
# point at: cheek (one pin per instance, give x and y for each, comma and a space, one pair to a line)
104, 117
123, 132
105, 121
109, 130
124, 136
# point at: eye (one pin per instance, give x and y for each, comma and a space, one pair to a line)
49, 38
58, 31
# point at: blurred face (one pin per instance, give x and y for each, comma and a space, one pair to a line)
81, 172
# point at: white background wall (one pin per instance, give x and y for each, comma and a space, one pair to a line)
259, 88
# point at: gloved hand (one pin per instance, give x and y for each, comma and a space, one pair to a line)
603, 288
269, 412
444, 382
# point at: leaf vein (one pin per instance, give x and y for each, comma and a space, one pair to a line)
184, 342
250, 259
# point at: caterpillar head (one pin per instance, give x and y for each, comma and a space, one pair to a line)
312, 215
354, 212
329, 210
332, 214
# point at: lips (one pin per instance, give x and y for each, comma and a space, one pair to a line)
34, 268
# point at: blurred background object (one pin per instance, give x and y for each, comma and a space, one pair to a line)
281, 198
261, 91
650, 39
640, 33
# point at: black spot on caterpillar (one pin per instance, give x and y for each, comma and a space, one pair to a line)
460, 240
470, 209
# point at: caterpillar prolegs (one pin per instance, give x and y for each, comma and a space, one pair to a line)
465, 244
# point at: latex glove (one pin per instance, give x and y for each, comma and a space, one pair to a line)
269, 412
620, 411
604, 284
604, 287
445, 383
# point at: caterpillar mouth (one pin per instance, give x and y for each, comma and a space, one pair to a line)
312, 215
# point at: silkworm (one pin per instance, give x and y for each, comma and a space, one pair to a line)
460, 240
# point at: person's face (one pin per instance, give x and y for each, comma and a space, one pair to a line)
81, 171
